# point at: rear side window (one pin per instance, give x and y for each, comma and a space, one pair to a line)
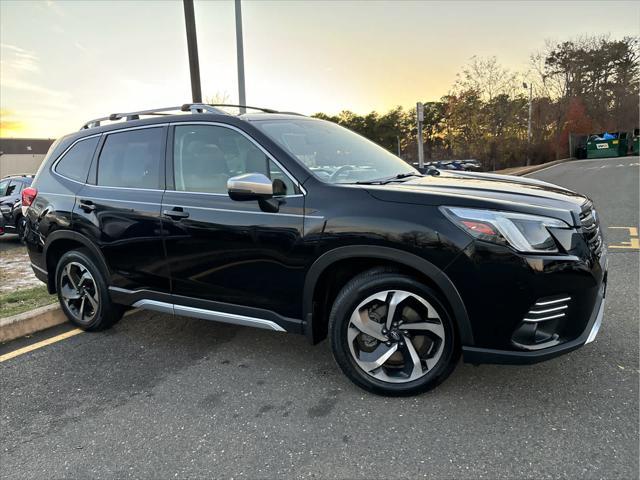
76, 162
131, 159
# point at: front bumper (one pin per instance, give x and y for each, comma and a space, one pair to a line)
509, 357
511, 284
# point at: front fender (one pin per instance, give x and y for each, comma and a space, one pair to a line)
407, 259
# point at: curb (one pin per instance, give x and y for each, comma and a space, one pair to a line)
30, 322
520, 171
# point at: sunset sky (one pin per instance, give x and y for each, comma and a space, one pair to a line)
63, 63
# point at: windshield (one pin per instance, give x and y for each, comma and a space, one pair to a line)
333, 153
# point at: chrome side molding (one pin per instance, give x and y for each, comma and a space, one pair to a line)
205, 314
227, 318
154, 305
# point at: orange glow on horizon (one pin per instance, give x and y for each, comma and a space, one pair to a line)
9, 126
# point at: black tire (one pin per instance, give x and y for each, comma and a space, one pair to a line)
350, 297
20, 227
106, 314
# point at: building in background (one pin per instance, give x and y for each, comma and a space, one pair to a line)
22, 155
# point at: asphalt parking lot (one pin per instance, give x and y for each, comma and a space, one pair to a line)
162, 397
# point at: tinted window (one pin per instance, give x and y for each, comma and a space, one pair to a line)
4, 187
206, 156
15, 187
131, 159
75, 163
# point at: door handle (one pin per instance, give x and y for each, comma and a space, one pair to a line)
176, 213
87, 205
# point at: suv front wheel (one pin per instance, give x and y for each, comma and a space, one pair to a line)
82, 291
391, 335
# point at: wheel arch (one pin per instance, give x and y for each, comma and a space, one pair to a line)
387, 256
62, 241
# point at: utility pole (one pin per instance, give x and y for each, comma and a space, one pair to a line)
192, 47
524, 84
420, 119
242, 100
398, 138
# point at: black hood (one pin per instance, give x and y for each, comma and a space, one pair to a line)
485, 190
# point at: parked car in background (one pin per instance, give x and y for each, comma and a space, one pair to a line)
472, 165
10, 202
295, 224
465, 165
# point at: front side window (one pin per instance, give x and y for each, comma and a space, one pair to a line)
333, 153
206, 156
131, 159
76, 162
4, 188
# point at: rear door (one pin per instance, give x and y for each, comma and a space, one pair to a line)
119, 207
226, 251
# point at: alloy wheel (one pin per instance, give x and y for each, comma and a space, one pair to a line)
79, 292
396, 336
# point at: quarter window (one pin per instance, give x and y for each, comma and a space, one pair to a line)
206, 156
76, 162
131, 159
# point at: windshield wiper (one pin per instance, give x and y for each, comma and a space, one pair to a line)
385, 180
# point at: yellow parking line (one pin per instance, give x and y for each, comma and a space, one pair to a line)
634, 240
37, 345
633, 231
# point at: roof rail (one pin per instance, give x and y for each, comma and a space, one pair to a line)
194, 108
261, 109
25, 175
187, 107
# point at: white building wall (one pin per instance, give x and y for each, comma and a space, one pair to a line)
12, 164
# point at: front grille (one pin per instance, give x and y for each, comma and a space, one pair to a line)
591, 229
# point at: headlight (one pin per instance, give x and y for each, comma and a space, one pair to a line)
525, 233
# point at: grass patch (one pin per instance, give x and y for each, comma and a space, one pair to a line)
24, 300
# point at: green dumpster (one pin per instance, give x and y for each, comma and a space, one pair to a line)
636, 142
605, 145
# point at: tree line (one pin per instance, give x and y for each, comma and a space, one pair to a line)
584, 85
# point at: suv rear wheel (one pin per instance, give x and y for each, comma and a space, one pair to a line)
82, 292
391, 335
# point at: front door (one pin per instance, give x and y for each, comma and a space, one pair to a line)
228, 253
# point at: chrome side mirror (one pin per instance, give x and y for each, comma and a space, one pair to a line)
250, 186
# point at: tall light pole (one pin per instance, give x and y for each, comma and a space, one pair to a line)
192, 47
420, 119
525, 86
240, 52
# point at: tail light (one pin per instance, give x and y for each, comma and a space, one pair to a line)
28, 196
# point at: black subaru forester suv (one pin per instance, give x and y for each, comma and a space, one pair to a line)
294, 224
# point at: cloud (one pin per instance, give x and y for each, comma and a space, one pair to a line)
15, 58
55, 8
20, 73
